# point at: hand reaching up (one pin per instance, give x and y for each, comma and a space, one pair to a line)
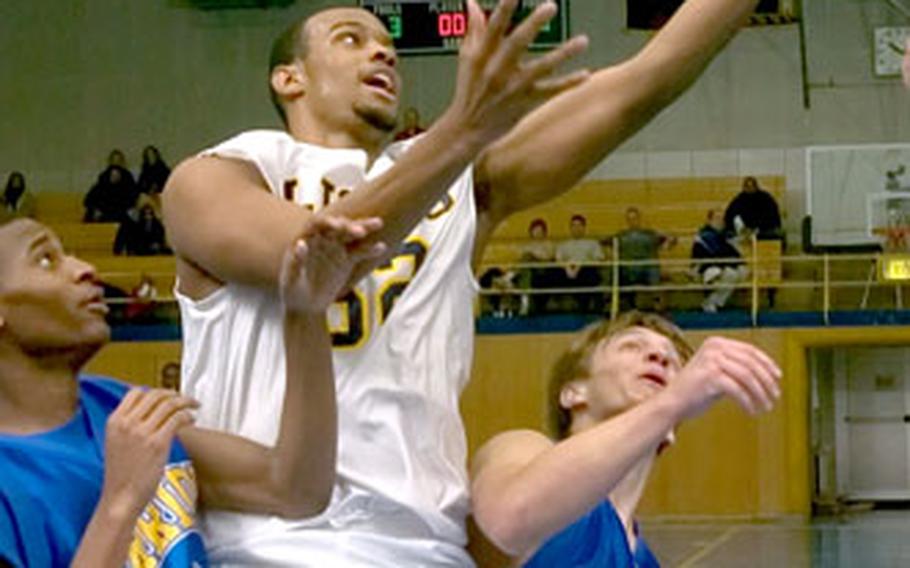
319, 264
495, 86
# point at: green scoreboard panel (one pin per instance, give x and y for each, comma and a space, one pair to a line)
437, 26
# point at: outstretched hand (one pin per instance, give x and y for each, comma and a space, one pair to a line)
726, 368
495, 87
318, 265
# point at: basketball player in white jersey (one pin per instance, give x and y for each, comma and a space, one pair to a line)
404, 334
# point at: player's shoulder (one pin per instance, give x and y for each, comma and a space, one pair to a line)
512, 447
252, 140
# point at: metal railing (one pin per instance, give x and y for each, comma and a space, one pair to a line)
824, 274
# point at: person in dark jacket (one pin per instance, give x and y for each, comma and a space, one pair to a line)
154, 172
718, 262
111, 197
753, 210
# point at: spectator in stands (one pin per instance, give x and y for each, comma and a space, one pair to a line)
719, 262
576, 254
637, 244
412, 125
141, 232
170, 376
16, 200
154, 171
117, 159
539, 249
506, 303
112, 195
753, 211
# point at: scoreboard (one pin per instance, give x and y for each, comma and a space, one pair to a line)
437, 26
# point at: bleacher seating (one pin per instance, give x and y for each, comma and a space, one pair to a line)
676, 206
94, 243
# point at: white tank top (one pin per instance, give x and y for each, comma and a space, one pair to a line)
403, 350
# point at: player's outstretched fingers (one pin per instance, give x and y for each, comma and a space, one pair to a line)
734, 390
520, 39
748, 357
498, 24
750, 384
543, 66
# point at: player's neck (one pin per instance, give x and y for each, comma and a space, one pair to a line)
627, 493
36, 393
360, 135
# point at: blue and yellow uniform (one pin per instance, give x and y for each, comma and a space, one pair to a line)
597, 540
51, 483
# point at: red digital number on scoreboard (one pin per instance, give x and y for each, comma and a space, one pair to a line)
452, 24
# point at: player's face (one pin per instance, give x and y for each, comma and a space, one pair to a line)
351, 68
629, 368
50, 302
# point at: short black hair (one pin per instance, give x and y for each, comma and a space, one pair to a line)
580, 218
538, 222
291, 44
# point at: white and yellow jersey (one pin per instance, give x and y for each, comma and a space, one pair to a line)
403, 349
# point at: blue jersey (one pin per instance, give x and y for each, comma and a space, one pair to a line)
51, 483
597, 540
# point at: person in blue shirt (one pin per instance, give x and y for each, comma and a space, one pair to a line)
616, 396
96, 473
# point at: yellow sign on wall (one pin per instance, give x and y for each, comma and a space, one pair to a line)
894, 267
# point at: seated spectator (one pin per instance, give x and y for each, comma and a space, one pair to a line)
539, 249
636, 244
576, 254
753, 211
412, 125
616, 395
16, 200
154, 172
141, 233
507, 302
170, 376
720, 263
111, 197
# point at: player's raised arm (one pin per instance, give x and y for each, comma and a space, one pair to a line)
295, 477
556, 145
221, 220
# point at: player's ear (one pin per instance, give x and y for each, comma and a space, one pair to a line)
574, 395
290, 80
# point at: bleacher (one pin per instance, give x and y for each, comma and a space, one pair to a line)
675, 206
93, 242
